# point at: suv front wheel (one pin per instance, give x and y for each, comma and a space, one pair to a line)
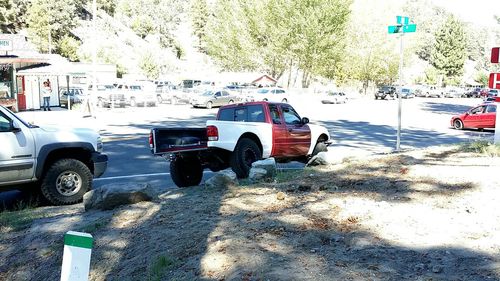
66, 181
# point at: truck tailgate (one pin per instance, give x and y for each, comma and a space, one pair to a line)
170, 140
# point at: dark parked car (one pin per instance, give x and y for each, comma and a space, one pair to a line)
473, 93
76, 94
385, 91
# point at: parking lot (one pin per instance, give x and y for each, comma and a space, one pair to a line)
359, 127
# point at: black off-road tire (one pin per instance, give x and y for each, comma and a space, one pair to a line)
245, 153
53, 178
186, 171
320, 147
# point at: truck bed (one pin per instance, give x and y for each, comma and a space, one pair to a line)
170, 140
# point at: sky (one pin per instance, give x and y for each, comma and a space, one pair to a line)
475, 11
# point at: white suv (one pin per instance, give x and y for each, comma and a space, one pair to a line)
271, 94
139, 93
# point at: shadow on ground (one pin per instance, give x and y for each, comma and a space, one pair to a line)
244, 233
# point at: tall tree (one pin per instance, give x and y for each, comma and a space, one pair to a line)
51, 18
199, 16
276, 35
12, 15
449, 53
428, 16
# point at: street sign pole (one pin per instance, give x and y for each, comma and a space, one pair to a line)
403, 26
400, 100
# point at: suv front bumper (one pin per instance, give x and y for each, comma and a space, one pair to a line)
100, 163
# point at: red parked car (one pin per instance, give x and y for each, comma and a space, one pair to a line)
479, 117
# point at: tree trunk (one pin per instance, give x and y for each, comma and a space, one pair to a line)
290, 74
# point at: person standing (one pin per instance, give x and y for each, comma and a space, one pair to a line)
46, 93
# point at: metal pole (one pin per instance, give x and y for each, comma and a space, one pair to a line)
94, 56
400, 102
50, 39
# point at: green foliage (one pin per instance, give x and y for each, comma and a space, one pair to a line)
68, 47
199, 17
109, 6
371, 55
149, 17
149, 66
482, 147
159, 266
449, 53
56, 16
12, 15
431, 76
427, 16
7, 16
482, 78
277, 34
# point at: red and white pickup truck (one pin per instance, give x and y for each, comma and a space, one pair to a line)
241, 134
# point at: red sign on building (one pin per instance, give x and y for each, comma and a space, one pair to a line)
495, 55
494, 82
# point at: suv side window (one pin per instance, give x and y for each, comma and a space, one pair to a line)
275, 114
291, 117
4, 123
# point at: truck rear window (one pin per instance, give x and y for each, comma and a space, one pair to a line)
250, 113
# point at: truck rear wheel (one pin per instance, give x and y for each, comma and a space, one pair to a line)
186, 171
245, 153
66, 181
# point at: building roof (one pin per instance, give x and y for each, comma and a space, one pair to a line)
23, 51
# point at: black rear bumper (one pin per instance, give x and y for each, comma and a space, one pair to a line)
100, 163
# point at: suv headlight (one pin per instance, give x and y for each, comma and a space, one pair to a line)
100, 146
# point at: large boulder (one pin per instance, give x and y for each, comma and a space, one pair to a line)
323, 158
113, 195
268, 164
258, 174
222, 179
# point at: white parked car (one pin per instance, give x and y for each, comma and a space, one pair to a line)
270, 94
334, 97
454, 93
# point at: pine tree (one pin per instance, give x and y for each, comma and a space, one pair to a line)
199, 17
449, 53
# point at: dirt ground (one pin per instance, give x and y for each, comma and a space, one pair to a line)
423, 215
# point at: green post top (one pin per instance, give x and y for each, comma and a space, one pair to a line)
78, 239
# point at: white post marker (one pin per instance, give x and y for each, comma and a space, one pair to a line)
76, 256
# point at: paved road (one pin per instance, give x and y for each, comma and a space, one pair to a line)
359, 127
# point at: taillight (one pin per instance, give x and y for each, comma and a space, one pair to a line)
212, 133
151, 140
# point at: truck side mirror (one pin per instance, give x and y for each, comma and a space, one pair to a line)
304, 120
14, 127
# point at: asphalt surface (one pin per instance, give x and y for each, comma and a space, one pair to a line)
359, 127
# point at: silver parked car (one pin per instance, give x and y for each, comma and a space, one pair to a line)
334, 97
211, 98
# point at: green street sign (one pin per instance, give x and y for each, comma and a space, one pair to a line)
409, 28
403, 20
395, 29
402, 28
